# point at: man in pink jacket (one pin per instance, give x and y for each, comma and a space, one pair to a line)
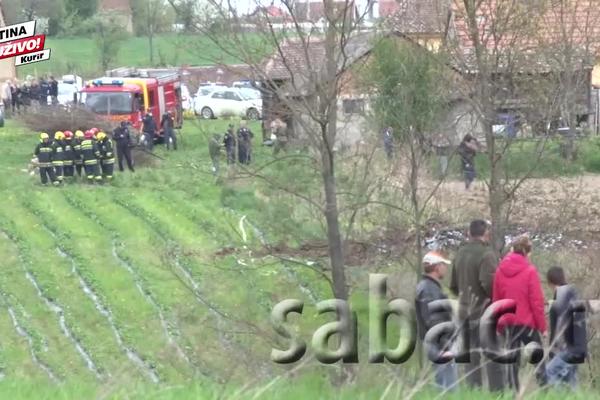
517, 278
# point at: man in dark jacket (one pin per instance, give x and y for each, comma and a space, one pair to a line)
472, 279
467, 151
123, 139
568, 335
229, 143
149, 130
167, 124
244, 139
428, 290
53, 90
44, 90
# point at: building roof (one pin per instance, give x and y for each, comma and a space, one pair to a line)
420, 16
271, 12
299, 59
535, 38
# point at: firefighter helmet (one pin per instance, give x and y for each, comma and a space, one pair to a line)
88, 134
58, 135
100, 135
78, 134
44, 136
68, 134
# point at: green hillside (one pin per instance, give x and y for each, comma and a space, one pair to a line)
80, 54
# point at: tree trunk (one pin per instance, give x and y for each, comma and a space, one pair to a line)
328, 94
334, 237
496, 193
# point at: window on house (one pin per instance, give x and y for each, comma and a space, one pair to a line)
353, 106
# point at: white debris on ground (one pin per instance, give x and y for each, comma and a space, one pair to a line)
449, 238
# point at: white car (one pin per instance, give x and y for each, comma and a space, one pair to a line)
187, 102
227, 101
205, 89
66, 91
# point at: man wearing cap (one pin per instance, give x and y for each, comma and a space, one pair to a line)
429, 289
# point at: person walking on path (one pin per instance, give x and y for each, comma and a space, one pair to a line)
429, 289
472, 278
517, 279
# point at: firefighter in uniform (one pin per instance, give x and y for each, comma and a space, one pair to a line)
68, 155
77, 152
90, 155
57, 156
107, 158
123, 139
43, 151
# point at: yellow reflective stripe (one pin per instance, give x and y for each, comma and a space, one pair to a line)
57, 163
68, 162
91, 162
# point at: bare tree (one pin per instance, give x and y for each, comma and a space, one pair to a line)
498, 49
302, 78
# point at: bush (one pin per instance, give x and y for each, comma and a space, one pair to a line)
590, 154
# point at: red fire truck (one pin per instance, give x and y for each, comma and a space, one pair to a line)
127, 94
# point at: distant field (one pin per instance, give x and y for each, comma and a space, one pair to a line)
80, 54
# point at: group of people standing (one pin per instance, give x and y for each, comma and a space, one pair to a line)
17, 96
89, 154
150, 131
480, 280
443, 149
232, 141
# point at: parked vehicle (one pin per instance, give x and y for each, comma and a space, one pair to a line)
68, 87
67, 93
187, 102
207, 88
227, 101
128, 97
